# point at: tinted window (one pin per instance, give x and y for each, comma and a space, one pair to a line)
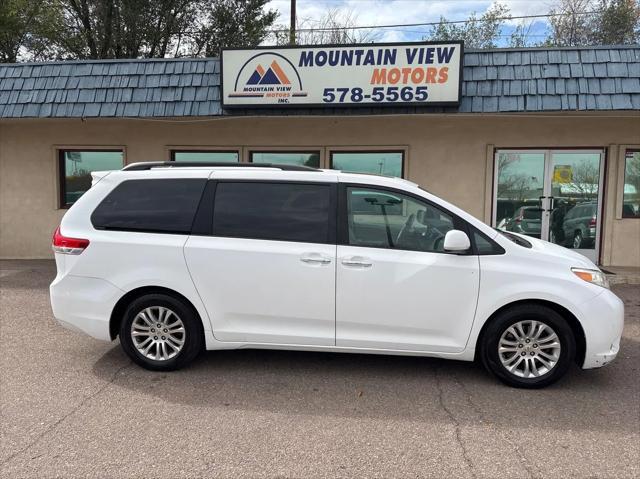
162, 206
273, 211
394, 220
484, 245
367, 202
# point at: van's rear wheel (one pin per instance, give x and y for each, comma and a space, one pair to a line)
161, 333
528, 346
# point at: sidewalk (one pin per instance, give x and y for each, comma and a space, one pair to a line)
622, 275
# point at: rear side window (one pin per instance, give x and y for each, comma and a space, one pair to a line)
155, 206
274, 211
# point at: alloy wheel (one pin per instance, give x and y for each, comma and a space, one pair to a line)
529, 349
158, 333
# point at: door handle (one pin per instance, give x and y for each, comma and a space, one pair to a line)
357, 262
315, 258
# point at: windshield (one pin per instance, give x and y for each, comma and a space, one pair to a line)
515, 238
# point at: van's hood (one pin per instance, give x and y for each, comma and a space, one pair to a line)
551, 249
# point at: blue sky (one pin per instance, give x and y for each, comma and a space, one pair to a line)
380, 12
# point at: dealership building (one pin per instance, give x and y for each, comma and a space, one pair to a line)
542, 141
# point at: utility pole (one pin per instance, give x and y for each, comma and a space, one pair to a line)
292, 29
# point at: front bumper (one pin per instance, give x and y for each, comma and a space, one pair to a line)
84, 304
602, 321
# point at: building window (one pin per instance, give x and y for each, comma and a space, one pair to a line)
631, 192
303, 158
215, 156
387, 163
76, 167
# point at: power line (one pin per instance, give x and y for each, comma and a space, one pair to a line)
426, 24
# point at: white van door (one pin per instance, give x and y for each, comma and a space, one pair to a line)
396, 287
267, 272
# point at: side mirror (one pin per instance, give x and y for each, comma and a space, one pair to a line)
456, 241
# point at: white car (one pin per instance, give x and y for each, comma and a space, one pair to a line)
176, 258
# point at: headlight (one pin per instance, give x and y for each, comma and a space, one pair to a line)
592, 276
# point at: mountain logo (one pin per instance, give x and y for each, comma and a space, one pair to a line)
268, 76
273, 76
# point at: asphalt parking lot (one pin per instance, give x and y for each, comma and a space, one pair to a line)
73, 407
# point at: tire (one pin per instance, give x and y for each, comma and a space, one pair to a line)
183, 334
498, 333
578, 240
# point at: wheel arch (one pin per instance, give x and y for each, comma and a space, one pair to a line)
122, 304
570, 318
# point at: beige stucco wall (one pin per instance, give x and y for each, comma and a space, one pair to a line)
449, 155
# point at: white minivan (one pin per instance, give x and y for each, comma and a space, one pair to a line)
175, 258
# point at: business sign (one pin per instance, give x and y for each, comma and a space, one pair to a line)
351, 75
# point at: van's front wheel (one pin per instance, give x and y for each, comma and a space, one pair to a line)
528, 346
161, 333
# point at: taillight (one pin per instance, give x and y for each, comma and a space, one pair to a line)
64, 245
592, 223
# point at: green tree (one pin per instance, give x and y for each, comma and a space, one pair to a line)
594, 22
572, 23
27, 25
618, 22
93, 29
232, 23
125, 28
477, 32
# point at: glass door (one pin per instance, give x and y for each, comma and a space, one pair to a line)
519, 188
554, 195
573, 202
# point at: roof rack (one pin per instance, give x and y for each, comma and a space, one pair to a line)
147, 165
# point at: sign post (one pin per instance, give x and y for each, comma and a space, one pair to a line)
422, 73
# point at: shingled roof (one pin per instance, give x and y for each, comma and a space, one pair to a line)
605, 78
503, 80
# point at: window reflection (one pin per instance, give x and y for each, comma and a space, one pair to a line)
387, 163
575, 184
520, 185
76, 171
631, 194
382, 219
206, 156
308, 158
